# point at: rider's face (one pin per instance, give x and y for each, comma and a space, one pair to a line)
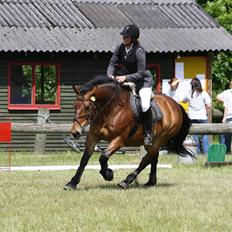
127, 40
174, 87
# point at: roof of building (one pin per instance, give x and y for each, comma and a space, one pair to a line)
94, 25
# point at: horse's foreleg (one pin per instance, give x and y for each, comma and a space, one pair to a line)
89, 148
132, 176
152, 177
114, 145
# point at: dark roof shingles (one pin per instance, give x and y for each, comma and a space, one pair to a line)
71, 13
94, 25
103, 40
104, 15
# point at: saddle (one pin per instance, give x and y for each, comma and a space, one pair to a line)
135, 104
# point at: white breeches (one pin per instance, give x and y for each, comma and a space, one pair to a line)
145, 96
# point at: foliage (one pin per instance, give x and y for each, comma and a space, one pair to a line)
45, 79
45, 84
222, 74
221, 10
203, 2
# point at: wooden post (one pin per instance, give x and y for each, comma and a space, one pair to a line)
40, 139
209, 77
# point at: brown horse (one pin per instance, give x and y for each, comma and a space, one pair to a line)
104, 105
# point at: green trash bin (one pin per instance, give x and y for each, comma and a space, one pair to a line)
216, 153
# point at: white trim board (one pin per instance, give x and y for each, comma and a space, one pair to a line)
71, 167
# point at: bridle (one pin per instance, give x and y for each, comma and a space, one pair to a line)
83, 127
93, 108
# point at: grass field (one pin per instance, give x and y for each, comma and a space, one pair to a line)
187, 198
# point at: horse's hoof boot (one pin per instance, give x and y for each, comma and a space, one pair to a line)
123, 185
69, 186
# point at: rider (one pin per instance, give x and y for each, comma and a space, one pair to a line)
128, 64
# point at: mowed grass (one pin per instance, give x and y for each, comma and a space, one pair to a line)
186, 198
64, 158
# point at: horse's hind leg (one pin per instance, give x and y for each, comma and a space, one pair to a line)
132, 176
152, 177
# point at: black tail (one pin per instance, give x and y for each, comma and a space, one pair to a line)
175, 144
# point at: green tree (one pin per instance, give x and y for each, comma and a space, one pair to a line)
221, 10
203, 2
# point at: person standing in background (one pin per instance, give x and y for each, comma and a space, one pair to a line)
226, 98
199, 103
173, 90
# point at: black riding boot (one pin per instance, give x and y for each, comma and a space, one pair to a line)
147, 127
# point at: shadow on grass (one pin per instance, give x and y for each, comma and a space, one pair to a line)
132, 186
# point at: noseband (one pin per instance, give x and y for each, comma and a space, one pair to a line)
76, 119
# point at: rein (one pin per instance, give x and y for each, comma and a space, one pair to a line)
108, 102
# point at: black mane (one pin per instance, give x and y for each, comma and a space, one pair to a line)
97, 80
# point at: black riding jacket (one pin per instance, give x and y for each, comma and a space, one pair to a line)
131, 64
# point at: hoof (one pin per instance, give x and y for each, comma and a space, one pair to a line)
123, 185
69, 186
108, 175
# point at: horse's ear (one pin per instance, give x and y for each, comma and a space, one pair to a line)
76, 88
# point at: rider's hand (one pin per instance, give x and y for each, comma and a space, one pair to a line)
120, 79
111, 77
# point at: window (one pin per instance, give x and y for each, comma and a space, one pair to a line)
34, 86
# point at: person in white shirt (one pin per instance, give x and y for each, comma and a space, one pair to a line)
228, 107
221, 96
226, 98
199, 103
173, 91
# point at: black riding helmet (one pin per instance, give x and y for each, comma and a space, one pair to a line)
131, 30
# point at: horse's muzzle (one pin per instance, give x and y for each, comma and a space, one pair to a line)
76, 132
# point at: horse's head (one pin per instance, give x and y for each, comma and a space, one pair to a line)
82, 109
86, 105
